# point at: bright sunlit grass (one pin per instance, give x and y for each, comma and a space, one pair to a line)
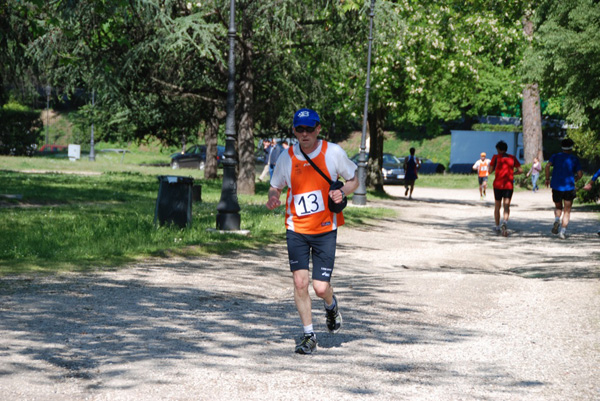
69, 222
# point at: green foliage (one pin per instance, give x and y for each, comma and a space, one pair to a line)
587, 143
149, 64
592, 196
448, 59
20, 131
18, 27
566, 57
496, 127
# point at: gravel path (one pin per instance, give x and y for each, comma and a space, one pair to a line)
435, 306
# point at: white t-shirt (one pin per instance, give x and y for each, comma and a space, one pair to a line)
338, 164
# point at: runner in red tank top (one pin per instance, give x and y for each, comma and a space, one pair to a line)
504, 165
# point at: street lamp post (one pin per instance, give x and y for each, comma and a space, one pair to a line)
228, 216
360, 195
92, 151
48, 91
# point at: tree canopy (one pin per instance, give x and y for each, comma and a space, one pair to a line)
566, 57
158, 67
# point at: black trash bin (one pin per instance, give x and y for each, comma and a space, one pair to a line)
174, 201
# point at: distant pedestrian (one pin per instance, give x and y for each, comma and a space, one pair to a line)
274, 151
482, 166
536, 169
504, 166
588, 186
567, 170
411, 166
266, 150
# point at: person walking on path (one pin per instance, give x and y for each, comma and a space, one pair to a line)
411, 166
588, 186
311, 228
267, 151
482, 166
274, 152
567, 170
536, 169
504, 166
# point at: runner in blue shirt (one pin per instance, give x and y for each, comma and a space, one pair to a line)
588, 186
566, 171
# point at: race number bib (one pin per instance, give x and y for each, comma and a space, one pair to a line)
484, 167
309, 203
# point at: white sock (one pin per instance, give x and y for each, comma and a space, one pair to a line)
557, 219
563, 230
309, 329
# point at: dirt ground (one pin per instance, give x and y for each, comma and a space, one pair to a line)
435, 306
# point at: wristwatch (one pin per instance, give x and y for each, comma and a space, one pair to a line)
343, 194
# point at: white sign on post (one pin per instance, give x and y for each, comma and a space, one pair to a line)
74, 152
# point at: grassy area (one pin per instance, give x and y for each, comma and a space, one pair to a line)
69, 222
453, 181
101, 216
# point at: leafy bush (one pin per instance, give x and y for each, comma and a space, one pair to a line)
20, 131
590, 196
497, 127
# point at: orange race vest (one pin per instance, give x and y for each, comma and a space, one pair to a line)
484, 169
307, 211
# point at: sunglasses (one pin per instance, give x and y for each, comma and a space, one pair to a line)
302, 129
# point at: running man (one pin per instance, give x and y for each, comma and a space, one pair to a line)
505, 166
567, 170
482, 166
311, 228
411, 166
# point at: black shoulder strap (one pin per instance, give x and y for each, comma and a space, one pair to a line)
315, 166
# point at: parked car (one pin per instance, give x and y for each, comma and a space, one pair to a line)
51, 148
194, 157
392, 168
428, 166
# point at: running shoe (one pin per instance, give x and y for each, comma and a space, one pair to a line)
555, 227
334, 318
562, 235
504, 230
598, 232
308, 345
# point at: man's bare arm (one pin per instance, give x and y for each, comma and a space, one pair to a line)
273, 198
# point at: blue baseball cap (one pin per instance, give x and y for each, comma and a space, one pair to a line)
306, 117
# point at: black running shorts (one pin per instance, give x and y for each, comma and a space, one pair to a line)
499, 194
559, 196
320, 246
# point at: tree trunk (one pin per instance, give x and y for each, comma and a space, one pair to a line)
532, 123
532, 112
210, 139
246, 173
374, 176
